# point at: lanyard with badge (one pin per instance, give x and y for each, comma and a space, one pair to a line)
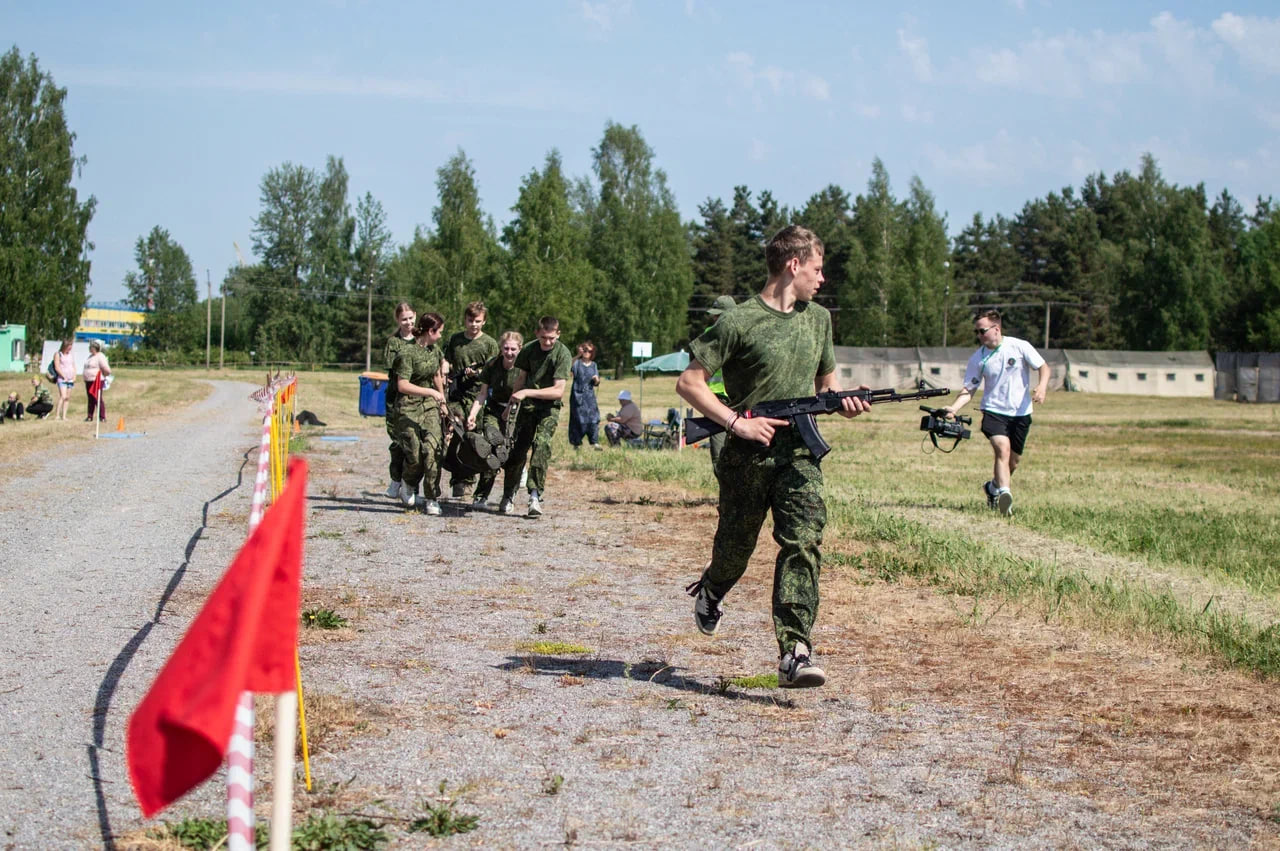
982, 366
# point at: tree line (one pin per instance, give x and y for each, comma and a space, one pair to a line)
1129, 261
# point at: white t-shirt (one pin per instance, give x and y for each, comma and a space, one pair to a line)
1007, 373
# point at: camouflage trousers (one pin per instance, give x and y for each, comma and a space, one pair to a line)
534, 430
421, 444
396, 468
785, 480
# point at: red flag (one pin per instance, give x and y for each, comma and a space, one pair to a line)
243, 640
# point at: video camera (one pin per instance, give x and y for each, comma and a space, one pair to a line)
938, 426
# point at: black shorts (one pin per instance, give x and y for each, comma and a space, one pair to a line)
1014, 428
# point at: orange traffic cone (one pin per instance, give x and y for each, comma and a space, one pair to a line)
120, 424
297, 427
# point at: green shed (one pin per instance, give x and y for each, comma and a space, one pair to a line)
13, 348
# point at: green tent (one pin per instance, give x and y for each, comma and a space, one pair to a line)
673, 362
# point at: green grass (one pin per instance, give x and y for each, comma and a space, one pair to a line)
1183, 487
320, 618
754, 681
554, 648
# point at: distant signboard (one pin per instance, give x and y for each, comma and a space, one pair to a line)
641, 350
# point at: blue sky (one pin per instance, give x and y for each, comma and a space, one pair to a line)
181, 109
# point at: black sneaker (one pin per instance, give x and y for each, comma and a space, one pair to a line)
706, 608
799, 672
1004, 502
989, 489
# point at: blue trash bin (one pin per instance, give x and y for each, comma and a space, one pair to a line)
373, 397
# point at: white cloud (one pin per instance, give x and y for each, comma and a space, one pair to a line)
1001, 159
915, 116
602, 16
526, 95
759, 151
868, 110
1077, 65
1254, 39
917, 52
775, 80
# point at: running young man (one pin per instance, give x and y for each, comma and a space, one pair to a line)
544, 372
396, 343
467, 352
1004, 364
776, 345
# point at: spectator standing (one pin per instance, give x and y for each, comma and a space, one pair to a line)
584, 412
64, 367
93, 367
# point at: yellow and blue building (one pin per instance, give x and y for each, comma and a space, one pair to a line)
115, 323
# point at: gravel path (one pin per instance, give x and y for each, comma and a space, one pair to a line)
101, 540
626, 733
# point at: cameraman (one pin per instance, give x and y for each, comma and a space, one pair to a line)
1005, 364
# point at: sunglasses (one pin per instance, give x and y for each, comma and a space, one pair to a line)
980, 331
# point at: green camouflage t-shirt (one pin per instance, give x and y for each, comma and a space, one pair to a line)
501, 383
544, 368
463, 354
419, 366
766, 354
394, 344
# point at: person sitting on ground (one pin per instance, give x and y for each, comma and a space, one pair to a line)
41, 403
13, 408
625, 424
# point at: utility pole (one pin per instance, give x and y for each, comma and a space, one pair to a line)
1046, 323
368, 326
946, 304
222, 324
208, 319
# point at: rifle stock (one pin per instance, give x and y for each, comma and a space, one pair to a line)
801, 413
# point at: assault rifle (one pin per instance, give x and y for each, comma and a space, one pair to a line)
800, 412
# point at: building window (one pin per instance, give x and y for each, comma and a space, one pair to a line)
935, 370
846, 372
1199, 376
1171, 376
1113, 376
1142, 376
1084, 373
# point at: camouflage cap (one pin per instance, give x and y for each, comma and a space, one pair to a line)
721, 304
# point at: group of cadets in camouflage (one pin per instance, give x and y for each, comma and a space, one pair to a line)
468, 383
775, 345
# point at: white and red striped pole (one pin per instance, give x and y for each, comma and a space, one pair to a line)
240, 818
